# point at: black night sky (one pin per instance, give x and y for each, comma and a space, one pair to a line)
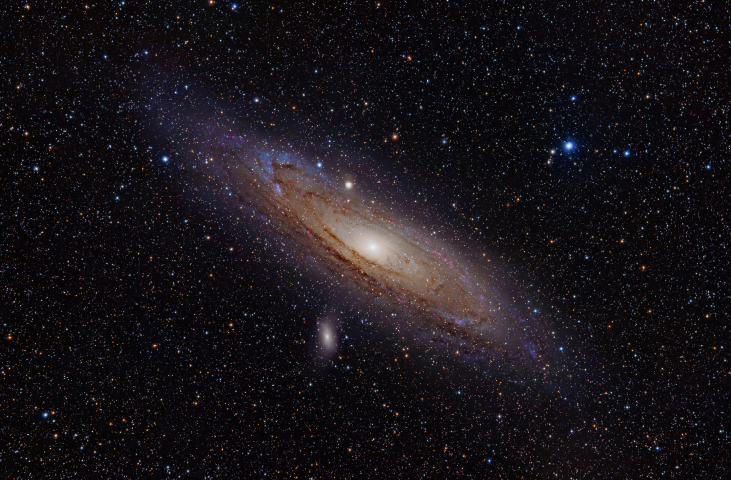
148, 331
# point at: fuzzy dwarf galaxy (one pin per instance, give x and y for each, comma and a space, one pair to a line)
365, 240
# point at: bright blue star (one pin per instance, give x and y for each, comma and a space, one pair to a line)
626, 153
569, 145
45, 414
708, 167
165, 159
573, 98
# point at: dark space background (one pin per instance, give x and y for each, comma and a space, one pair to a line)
147, 335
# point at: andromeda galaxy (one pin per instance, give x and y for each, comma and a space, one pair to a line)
441, 289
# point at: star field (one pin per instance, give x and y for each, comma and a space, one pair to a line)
151, 331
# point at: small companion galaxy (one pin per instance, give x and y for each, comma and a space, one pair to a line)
365, 240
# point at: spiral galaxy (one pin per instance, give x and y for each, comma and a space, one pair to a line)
449, 294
